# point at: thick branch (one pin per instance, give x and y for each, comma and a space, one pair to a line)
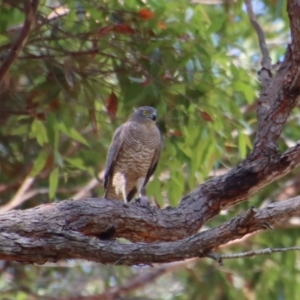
293, 7
30, 8
52, 244
280, 95
135, 223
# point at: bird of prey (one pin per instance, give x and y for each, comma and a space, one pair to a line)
132, 156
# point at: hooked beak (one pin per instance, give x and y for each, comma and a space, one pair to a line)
153, 117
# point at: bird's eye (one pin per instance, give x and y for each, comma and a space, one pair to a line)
145, 113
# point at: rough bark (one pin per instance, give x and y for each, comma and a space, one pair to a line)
37, 236
64, 230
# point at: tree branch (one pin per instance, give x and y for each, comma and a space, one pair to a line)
19, 196
293, 8
266, 251
30, 8
61, 230
280, 95
137, 281
93, 217
134, 283
37, 240
265, 74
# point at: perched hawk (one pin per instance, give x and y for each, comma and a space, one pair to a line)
132, 156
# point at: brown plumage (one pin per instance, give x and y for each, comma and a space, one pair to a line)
132, 156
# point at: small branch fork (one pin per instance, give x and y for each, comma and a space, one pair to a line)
30, 8
267, 251
279, 93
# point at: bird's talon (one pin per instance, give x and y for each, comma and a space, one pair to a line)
142, 201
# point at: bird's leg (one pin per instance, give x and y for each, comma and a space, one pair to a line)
122, 186
124, 192
143, 199
118, 187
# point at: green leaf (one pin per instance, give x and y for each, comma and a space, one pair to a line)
20, 130
77, 163
53, 183
186, 150
242, 145
58, 158
177, 89
39, 132
279, 8
246, 89
73, 133
52, 130
39, 163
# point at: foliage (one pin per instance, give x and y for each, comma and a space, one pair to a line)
85, 66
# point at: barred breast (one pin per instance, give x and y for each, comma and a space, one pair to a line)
134, 159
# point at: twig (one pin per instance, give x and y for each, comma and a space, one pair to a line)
30, 11
141, 280
138, 281
265, 73
19, 196
86, 190
266, 251
215, 256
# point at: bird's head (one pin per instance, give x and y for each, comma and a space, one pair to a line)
144, 114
